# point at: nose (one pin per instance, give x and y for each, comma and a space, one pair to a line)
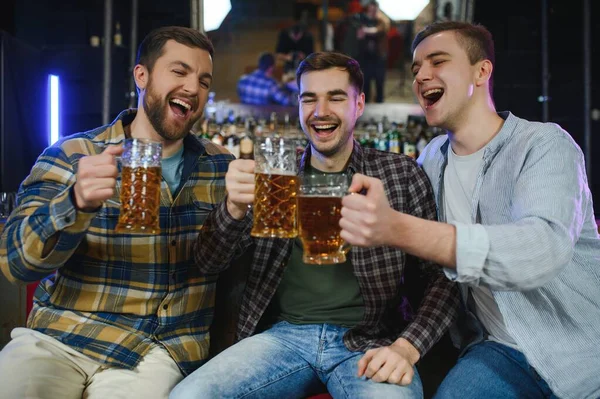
321, 109
191, 85
423, 75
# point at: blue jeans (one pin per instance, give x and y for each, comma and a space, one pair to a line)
289, 361
490, 370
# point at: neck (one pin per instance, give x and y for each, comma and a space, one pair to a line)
478, 126
141, 128
335, 163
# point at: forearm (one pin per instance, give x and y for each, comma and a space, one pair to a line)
435, 314
425, 239
39, 239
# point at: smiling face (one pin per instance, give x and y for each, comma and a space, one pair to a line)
329, 107
445, 80
174, 93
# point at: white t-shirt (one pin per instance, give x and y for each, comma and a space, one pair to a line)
460, 178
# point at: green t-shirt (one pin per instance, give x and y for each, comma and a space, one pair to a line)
315, 294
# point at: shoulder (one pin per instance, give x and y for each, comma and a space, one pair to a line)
529, 135
80, 144
215, 150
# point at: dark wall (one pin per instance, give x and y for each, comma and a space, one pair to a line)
516, 26
62, 31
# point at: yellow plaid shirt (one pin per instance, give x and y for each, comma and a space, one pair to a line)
109, 295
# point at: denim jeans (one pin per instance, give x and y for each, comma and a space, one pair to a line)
491, 370
289, 361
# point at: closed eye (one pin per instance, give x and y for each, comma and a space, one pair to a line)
178, 72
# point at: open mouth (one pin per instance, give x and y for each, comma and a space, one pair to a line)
180, 107
325, 128
432, 96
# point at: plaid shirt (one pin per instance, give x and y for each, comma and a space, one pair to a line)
108, 295
379, 270
260, 89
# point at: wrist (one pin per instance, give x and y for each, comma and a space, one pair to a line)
408, 348
235, 211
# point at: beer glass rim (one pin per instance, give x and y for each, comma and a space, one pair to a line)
142, 140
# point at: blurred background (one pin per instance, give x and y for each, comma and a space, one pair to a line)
547, 58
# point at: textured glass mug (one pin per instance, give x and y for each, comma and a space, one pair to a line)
276, 187
141, 175
319, 213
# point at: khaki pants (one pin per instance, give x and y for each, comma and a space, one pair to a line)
34, 365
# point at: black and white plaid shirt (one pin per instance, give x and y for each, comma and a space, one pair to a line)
379, 270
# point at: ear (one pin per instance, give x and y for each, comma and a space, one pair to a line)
484, 72
140, 75
360, 105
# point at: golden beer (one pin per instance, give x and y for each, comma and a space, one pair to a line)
140, 200
319, 229
275, 205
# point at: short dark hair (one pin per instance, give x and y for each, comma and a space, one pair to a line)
474, 38
323, 60
266, 61
151, 47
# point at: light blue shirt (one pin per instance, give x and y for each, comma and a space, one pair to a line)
533, 241
172, 168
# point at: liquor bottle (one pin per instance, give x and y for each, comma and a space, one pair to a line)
246, 142
381, 141
232, 141
394, 139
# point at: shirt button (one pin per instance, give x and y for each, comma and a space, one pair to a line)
165, 307
173, 243
67, 219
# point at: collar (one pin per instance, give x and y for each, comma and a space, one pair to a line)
355, 164
504, 135
117, 133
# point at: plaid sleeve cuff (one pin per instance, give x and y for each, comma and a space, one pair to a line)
226, 224
435, 315
66, 217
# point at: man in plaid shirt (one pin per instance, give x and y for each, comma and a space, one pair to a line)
118, 315
337, 325
261, 88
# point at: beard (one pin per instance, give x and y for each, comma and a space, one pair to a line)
157, 110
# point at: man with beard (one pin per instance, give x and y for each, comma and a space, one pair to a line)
118, 315
343, 326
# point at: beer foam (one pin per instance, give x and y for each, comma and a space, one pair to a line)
280, 172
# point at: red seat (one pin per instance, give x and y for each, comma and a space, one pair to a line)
29, 297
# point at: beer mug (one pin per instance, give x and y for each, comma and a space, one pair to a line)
276, 187
319, 214
140, 187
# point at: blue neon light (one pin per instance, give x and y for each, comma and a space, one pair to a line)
54, 84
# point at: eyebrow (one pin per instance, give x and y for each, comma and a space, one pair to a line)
189, 68
331, 93
429, 56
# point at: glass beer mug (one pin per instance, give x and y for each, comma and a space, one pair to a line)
319, 213
141, 176
276, 186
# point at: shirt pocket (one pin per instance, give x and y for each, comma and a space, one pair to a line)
102, 242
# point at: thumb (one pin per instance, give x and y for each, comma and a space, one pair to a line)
361, 182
